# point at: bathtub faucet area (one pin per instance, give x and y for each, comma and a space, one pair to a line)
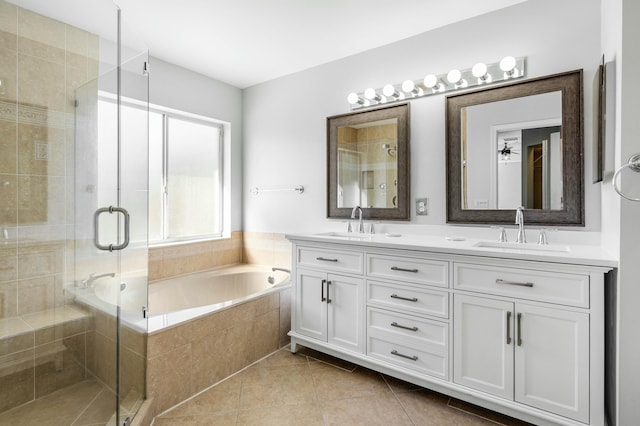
88, 282
274, 269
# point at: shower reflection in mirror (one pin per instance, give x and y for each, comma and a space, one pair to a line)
367, 166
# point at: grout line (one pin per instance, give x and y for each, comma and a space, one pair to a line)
473, 414
398, 400
315, 391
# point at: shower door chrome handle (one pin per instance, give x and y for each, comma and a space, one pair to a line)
96, 228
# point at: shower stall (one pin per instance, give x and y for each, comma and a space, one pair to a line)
73, 214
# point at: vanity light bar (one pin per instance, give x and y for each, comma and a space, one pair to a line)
481, 74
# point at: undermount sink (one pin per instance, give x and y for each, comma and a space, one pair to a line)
523, 246
346, 235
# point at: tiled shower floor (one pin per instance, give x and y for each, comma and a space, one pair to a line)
85, 403
310, 388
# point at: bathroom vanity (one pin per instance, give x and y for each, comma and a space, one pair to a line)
518, 329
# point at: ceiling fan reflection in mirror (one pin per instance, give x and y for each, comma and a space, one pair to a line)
509, 148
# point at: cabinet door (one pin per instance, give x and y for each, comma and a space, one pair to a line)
345, 303
552, 360
310, 308
483, 344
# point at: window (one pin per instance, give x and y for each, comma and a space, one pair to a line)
185, 170
185, 178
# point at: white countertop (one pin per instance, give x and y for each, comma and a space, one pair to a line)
588, 255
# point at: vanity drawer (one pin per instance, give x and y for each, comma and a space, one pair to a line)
408, 269
553, 287
408, 330
432, 363
332, 260
407, 298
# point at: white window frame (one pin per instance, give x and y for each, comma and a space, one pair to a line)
224, 130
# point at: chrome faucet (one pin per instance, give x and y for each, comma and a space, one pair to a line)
275, 268
88, 282
521, 237
353, 216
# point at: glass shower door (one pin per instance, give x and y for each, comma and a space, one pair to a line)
111, 225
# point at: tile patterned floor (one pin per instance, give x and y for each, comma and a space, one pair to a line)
310, 388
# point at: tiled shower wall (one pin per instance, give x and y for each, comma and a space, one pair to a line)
42, 342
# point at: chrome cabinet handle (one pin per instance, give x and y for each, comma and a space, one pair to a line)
396, 353
96, 228
395, 296
519, 329
508, 327
395, 324
525, 284
324, 259
397, 268
322, 298
328, 298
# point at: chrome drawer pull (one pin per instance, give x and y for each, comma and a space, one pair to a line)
396, 268
395, 324
508, 327
500, 281
396, 353
324, 259
395, 296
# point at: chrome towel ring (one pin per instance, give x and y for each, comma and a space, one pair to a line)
634, 165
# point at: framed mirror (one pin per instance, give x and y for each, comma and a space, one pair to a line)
515, 145
368, 163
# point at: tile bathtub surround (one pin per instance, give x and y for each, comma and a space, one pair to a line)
183, 360
179, 259
310, 388
266, 248
263, 248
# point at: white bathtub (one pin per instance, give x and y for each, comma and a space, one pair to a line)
178, 299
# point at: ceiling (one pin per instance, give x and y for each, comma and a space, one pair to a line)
246, 42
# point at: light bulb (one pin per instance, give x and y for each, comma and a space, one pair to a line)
479, 71
371, 94
431, 82
508, 65
388, 90
409, 86
353, 98
454, 76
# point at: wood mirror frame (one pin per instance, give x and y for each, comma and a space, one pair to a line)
571, 86
401, 112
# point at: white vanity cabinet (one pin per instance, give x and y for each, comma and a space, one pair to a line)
531, 354
328, 306
520, 346
521, 336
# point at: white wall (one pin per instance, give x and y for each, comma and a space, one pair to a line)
175, 87
285, 119
621, 218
